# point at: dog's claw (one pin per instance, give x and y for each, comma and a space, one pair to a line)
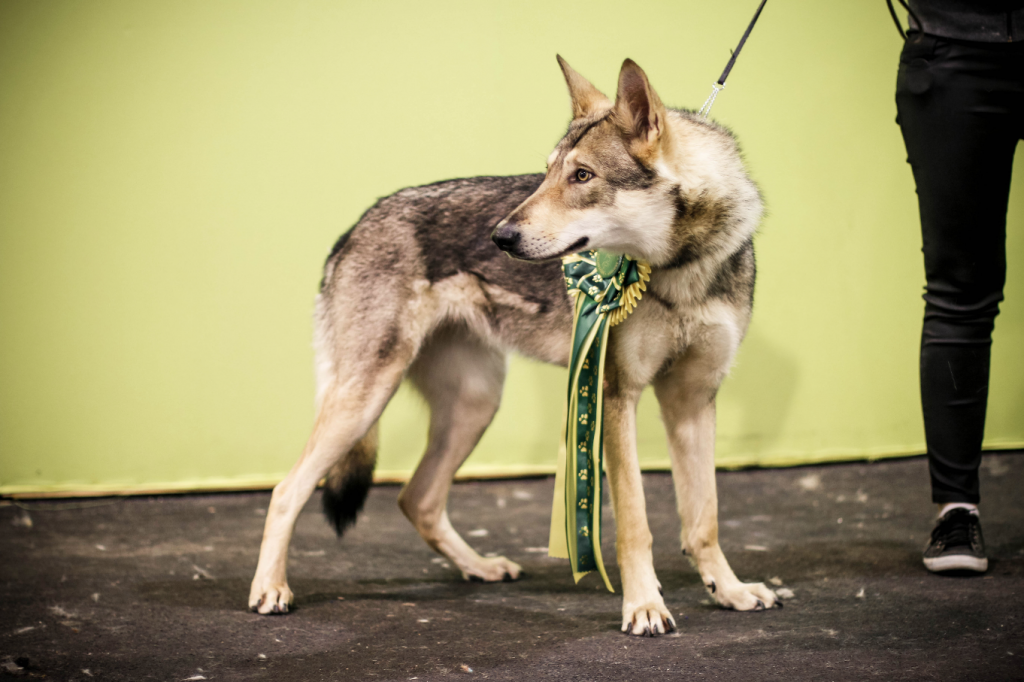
648, 621
712, 587
779, 604
760, 605
492, 570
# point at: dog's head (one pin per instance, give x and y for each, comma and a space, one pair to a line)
605, 179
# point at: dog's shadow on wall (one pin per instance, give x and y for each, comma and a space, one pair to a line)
752, 406
755, 398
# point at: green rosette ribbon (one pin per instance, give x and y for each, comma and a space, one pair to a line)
606, 288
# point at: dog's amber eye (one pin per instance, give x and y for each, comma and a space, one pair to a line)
583, 175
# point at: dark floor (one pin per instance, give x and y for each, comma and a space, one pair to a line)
156, 588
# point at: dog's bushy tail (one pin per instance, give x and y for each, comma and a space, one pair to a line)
348, 483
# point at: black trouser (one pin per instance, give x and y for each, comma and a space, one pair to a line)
961, 109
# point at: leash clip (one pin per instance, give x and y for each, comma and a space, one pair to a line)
706, 109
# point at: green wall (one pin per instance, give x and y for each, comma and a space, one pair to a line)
172, 175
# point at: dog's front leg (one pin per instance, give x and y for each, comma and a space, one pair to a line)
643, 607
687, 399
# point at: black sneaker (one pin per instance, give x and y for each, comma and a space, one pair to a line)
956, 544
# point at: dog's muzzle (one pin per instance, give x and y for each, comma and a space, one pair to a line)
506, 236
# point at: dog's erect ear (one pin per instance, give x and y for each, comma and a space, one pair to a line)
586, 99
638, 109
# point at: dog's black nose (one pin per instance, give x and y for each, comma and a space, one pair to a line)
506, 237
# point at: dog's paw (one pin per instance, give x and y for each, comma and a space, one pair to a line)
270, 599
647, 620
743, 596
492, 570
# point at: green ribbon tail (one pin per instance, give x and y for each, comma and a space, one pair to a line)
597, 506
606, 287
583, 447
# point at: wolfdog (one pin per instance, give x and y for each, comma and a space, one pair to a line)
423, 287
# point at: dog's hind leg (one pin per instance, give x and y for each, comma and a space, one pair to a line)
686, 394
345, 425
461, 378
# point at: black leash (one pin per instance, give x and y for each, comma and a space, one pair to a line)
718, 86
896, 20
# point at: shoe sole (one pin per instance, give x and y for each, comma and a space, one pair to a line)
956, 562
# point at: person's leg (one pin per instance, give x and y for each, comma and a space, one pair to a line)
959, 110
